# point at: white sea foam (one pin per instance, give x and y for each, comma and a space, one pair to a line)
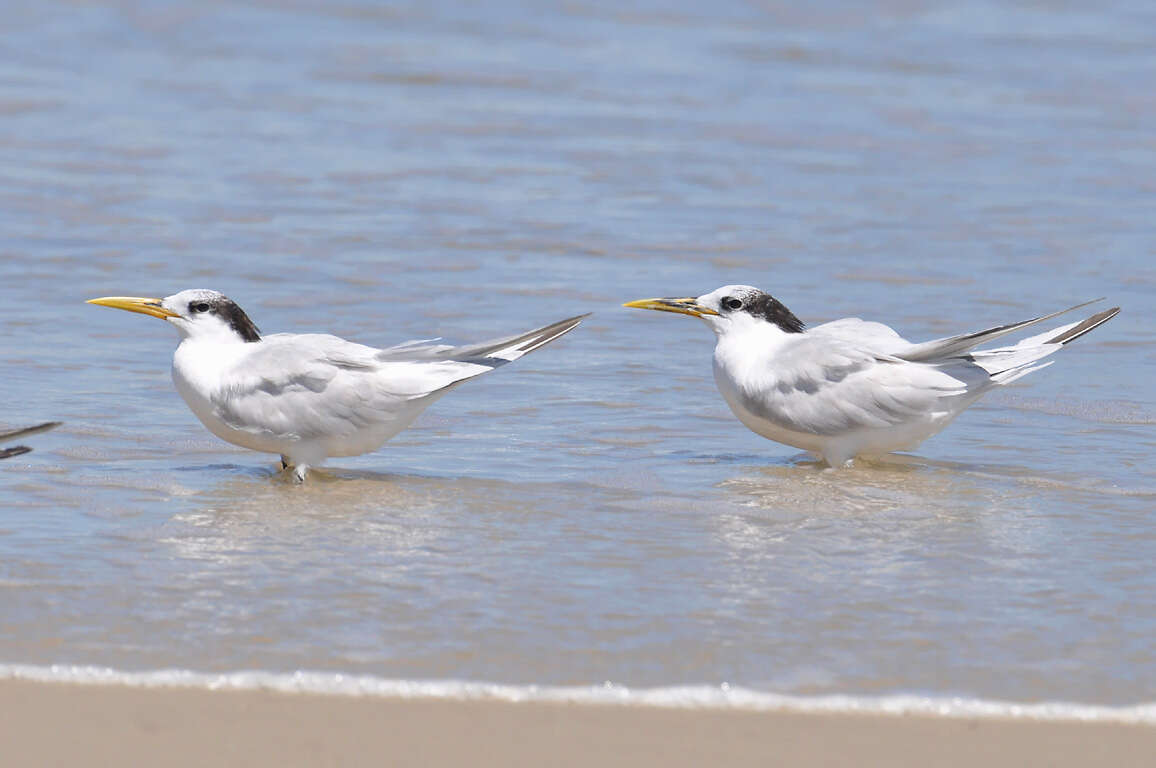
674, 697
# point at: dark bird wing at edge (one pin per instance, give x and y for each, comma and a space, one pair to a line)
17, 434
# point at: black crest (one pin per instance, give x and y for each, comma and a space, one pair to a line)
227, 309
238, 320
765, 307
774, 311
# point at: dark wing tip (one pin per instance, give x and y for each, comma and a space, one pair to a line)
543, 336
1093, 322
26, 431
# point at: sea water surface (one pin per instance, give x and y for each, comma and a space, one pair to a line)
591, 513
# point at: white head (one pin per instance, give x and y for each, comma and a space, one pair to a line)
198, 314
729, 309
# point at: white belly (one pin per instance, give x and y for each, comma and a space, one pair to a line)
312, 450
837, 448
761, 425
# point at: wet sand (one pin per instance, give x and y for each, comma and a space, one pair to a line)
61, 724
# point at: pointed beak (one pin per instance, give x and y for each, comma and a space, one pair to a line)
685, 306
150, 307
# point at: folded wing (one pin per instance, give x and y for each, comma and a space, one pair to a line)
824, 386
953, 346
314, 385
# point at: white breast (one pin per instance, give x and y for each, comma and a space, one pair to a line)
199, 375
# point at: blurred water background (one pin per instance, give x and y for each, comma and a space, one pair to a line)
593, 512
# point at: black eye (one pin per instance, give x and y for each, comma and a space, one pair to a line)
201, 307
730, 302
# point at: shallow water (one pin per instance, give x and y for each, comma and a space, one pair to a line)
591, 513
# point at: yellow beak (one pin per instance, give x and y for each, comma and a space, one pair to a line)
684, 306
134, 304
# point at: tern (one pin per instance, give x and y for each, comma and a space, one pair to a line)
311, 396
852, 387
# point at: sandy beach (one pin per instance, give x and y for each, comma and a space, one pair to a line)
62, 724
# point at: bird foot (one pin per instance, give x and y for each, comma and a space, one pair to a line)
299, 470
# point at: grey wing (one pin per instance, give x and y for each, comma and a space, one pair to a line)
865, 334
824, 386
312, 385
492, 354
953, 346
308, 386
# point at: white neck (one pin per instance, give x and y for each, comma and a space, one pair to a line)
206, 329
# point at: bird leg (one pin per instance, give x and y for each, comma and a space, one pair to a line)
299, 470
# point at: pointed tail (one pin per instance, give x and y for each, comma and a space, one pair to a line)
952, 346
512, 347
1006, 364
